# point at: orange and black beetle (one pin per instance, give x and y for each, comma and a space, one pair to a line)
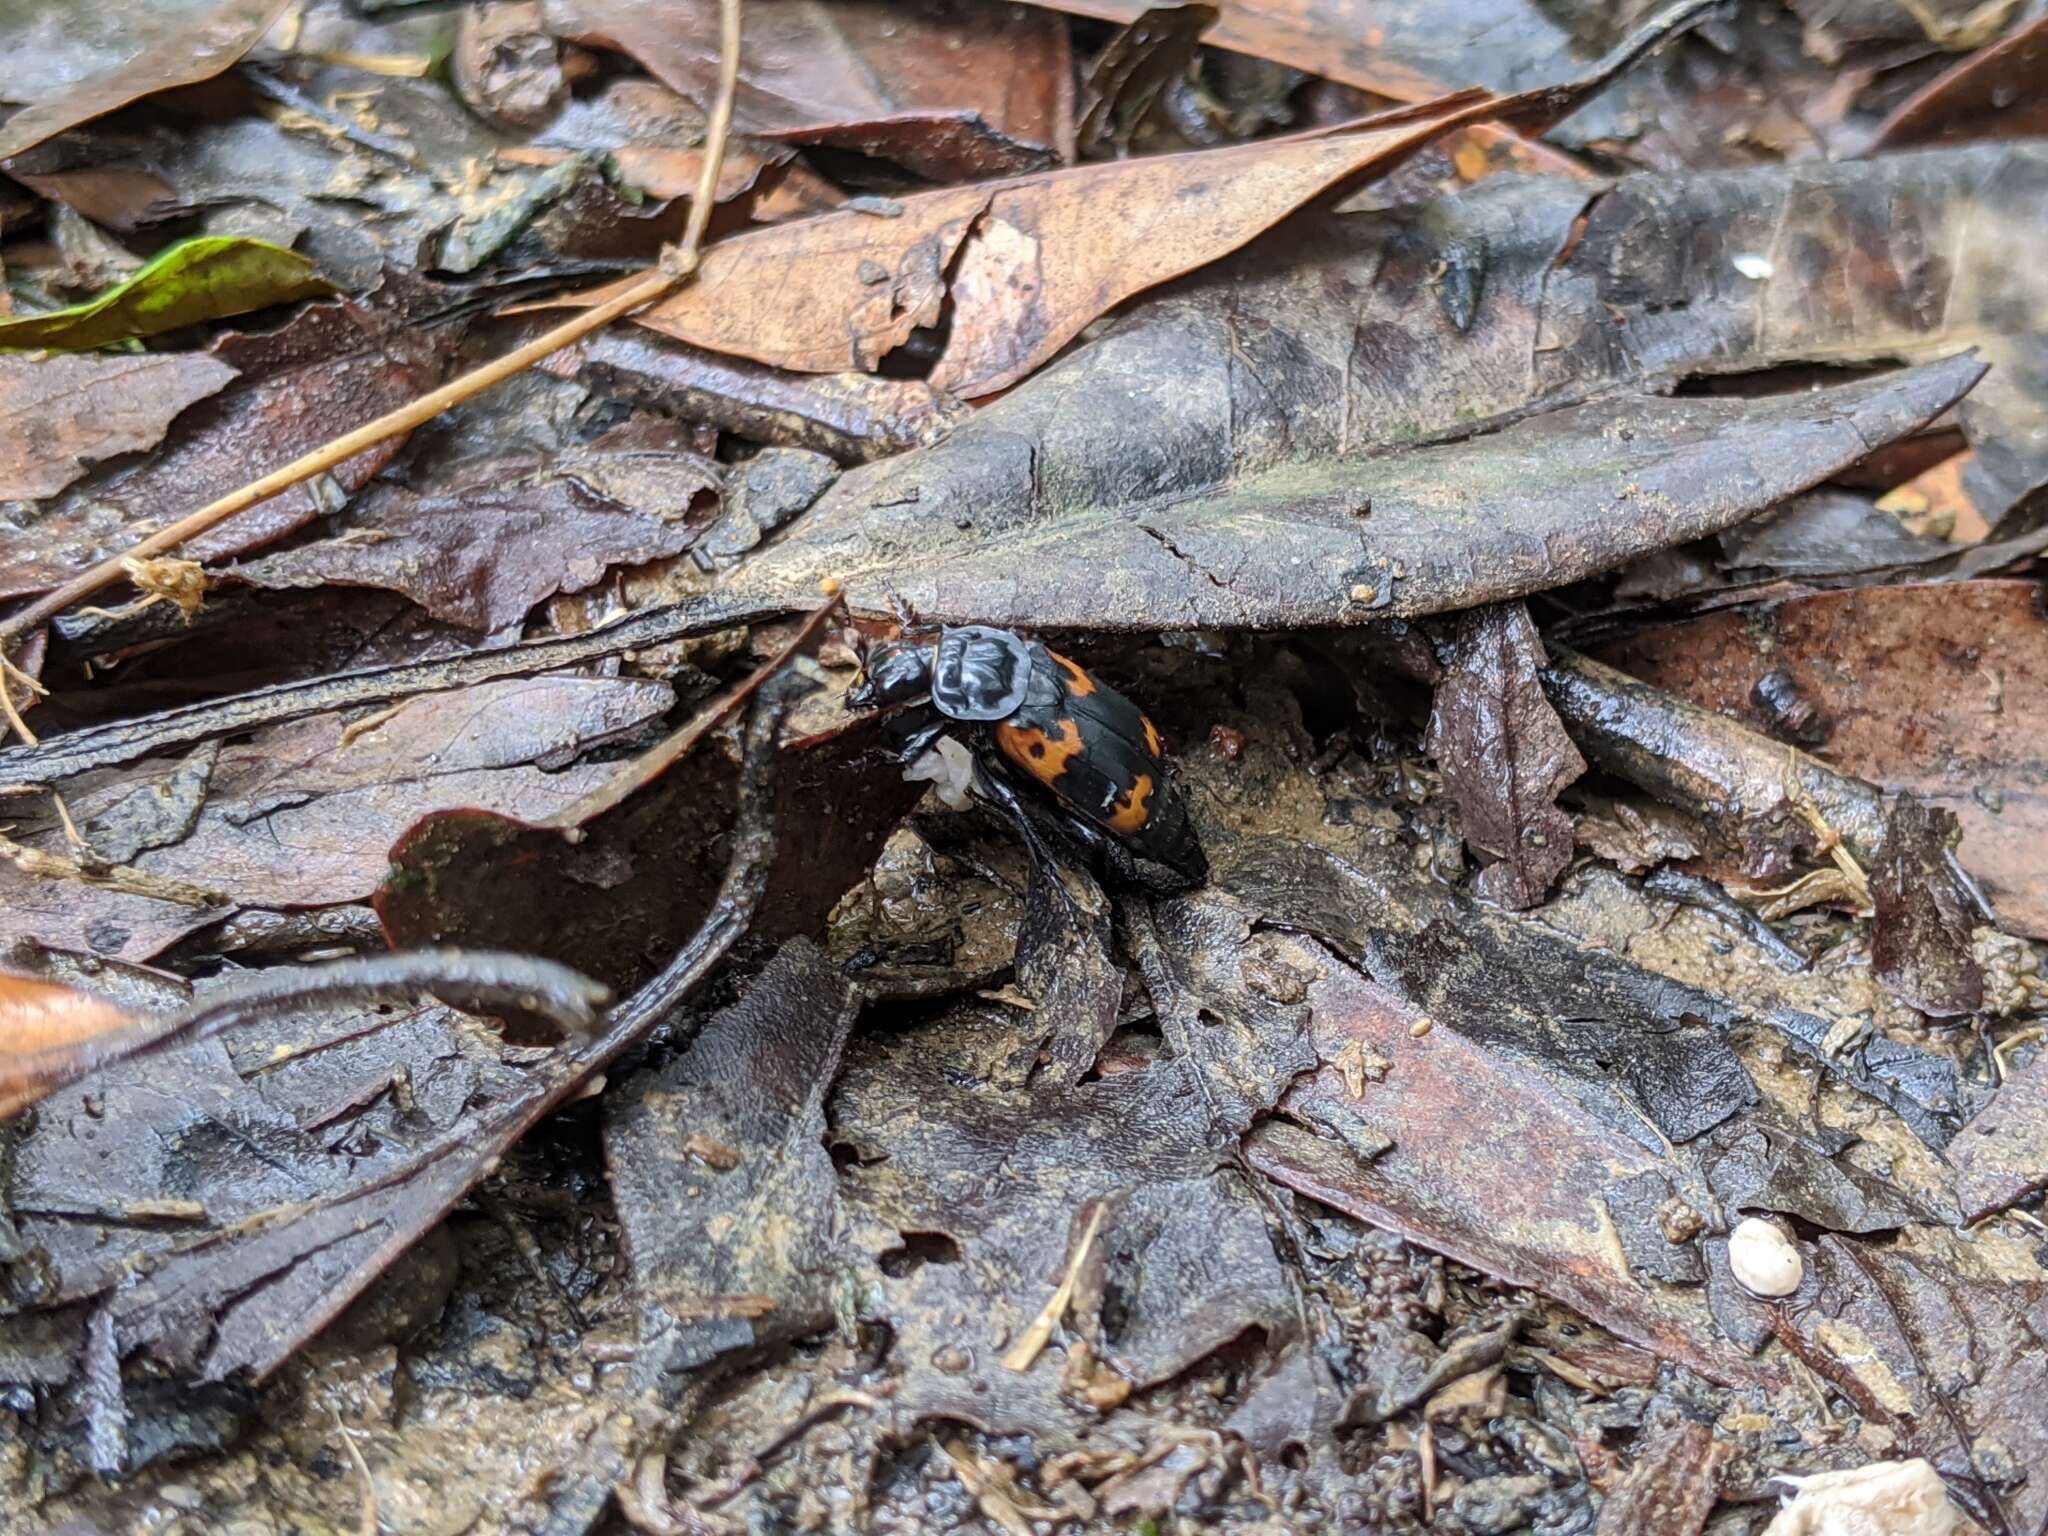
1040, 719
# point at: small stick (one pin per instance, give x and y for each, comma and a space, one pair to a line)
1040, 1332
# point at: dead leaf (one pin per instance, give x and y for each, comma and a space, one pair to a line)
89, 64
1136, 535
1673, 1486
301, 817
43, 1025
1994, 93
328, 370
2001, 1156
1503, 753
966, 79
1026, 263
60, 414
483, 552
1940, 690
1920, 941
766, 1223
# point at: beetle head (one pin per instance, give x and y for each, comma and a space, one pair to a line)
892, 673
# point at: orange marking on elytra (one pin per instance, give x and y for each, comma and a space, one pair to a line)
1133, 806
1044, 757
1152, 743
1079, 683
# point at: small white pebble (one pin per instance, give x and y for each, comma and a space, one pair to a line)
1763, 1259
1755, 268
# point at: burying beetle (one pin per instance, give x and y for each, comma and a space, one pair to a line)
1038, 720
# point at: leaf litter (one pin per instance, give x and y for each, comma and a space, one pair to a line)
1588, 600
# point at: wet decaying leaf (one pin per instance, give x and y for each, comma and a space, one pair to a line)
619, 884
509, 534
269, 1189
303, 815
70, 67
1920, 943
724, 1188
1635, 1046
329, 369
1181, 1246
978, 84
2001, 1157
1940, 691
1503, 753
1065, 966
60, 414
1892, 1327
963, 532
1993, 93
191, 283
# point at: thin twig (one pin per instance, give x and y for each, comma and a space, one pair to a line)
1039, 1333
676, 267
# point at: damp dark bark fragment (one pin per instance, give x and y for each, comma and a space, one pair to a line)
1504, 755
1707, 764
1920, 944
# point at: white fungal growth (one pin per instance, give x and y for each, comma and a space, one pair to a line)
949, 767
1763, 1259
1886, 1498
1755, 268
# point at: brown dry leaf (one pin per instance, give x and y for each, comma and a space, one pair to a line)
42, 1026
1026, 263
59, 414
1941, 690
1503, 753
91, 60
957, 87
1405, 49
1997, 92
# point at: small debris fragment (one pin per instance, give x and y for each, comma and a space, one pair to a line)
1763, 1259
1421, 1027
1679, 1222
712, 1154
1886, 1498
1358, 1066
1755, 268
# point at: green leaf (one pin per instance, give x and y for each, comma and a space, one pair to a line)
192, 282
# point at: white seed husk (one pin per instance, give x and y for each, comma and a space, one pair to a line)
1763, 1260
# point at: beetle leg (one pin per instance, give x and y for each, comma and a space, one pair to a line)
921, 740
